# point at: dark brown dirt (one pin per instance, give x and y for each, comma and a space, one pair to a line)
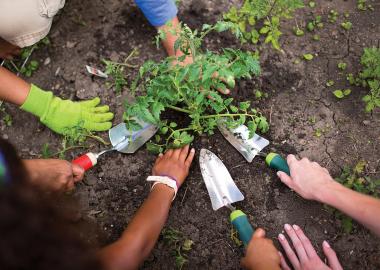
112, 192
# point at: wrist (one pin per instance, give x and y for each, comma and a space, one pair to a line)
164, 190
30, 165
37, 101
327, 194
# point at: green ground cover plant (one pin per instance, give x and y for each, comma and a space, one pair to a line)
117, 71
262, 18
179, 245
356, 179
370, 76
30, 65
192, 90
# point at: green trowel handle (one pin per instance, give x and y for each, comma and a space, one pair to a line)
275, 161
242, 225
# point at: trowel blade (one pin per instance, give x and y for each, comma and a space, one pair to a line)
128, 142
239, 138
219, 183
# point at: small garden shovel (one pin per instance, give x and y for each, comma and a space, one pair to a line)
251, 147
122, 140
224, 192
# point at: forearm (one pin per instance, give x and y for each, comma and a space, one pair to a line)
12, 88
142, 233
171, 38
363, 208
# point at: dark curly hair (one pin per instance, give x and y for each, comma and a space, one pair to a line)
34, 232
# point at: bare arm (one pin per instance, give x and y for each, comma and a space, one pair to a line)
314, 182
12, 88
363, 208
142, 233
171, 38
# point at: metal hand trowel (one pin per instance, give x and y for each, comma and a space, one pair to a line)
251, 147
224, 192
122, 140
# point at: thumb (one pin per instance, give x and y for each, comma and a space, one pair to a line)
78, 172
286, 179
331, 256
259, 233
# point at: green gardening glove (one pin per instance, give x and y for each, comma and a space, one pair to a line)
62, 115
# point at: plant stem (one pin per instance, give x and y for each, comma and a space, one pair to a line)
97, 138
271, 9
224, 115
67, 149
179, 130
130, 55
179, 109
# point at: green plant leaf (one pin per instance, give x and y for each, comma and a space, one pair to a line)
338, 93
308, 56
346, 92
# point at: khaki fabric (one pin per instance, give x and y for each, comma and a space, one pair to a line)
25, 22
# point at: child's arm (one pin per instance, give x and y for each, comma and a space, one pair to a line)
314, 182
57, 114
12, 88
142, 233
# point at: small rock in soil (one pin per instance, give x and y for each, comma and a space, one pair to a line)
70, 44
114, 56
86, 88
91, 180
47, 61
57, 71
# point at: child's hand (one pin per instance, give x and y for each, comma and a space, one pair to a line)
261, 253
174, 163
53, 174
305, 257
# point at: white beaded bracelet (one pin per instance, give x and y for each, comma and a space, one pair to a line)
163, 180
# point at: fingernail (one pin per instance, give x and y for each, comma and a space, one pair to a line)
279, 174
279, 253
325, 244
296, 227
287, 227
281, 236
192, 150
227, 91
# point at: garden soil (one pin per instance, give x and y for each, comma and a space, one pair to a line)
305, 119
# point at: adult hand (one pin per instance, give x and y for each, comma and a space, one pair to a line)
261, 254
53, 174
305, 258
8, 50
62, 115
307, 178
175, 163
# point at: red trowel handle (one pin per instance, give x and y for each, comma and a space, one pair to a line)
86, 161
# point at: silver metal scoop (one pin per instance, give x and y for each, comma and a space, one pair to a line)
219, 183
239, 138
122, 140
126, 141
